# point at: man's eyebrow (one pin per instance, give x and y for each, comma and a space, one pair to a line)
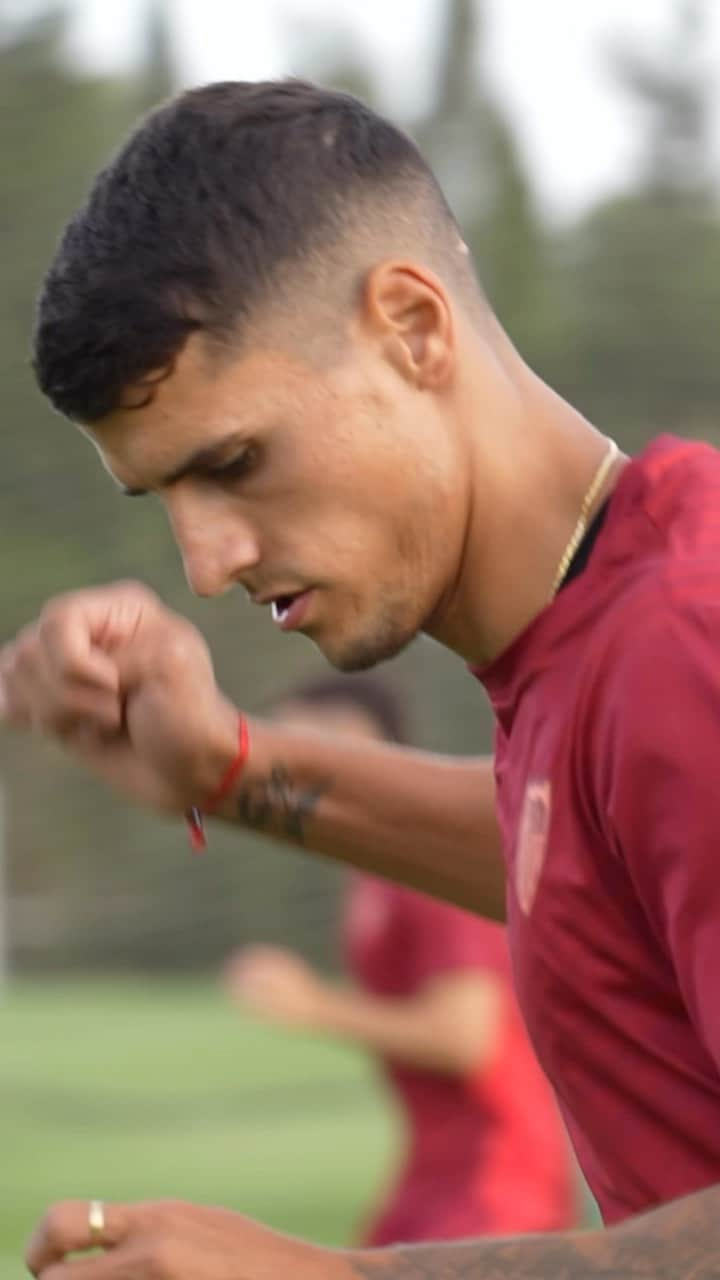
204, 459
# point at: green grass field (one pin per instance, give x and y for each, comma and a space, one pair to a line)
129, 1090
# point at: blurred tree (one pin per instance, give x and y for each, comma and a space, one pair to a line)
59, 529
673, 86
645, 265
327, 53
156, 75
56, 127
475, 154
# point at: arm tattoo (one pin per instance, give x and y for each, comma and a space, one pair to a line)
678, 1242
278, 805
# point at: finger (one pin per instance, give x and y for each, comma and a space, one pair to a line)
112, 614
33, 695
66, 1229
81, 631
78, 632
119, 612
95, 712
119, 1263
36, 689
69, 642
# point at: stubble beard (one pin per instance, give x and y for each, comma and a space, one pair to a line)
389, 635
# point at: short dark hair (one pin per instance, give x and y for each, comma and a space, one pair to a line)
188, 226
376, 698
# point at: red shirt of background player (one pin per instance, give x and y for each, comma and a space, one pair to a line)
487, 1154
608, 750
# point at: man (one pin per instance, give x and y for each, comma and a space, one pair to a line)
432, 1001
266, 316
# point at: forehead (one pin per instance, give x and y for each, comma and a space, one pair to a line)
207, 394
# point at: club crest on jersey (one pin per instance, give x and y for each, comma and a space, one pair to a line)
532, 841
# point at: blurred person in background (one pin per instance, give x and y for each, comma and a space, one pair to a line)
486, 1150
266, 315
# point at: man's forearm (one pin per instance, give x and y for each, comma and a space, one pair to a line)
426, 821
451, 1031
680, 1241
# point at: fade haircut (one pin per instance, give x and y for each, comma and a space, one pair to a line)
218, 208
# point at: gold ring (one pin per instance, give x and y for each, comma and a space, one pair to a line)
96, 1221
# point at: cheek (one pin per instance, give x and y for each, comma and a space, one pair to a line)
357, 488
335, 532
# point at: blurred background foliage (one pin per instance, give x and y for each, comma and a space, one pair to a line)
618, 309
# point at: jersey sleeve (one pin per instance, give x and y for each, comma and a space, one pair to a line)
444, 939
658, 761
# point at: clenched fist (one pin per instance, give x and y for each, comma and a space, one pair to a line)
129, 687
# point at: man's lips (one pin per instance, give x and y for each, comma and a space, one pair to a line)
289, 610
288, 605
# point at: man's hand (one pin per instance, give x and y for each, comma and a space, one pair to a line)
129, 687
276, 984
171, 1240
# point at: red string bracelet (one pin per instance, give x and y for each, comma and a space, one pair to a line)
194, 816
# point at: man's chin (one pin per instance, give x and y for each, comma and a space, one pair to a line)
361, 654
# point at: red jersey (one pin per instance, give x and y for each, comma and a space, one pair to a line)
487, 1153
608, 743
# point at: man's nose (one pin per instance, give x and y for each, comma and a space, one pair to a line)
217, 551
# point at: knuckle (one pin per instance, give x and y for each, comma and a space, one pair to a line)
55, 611
136, 592
176, 649
180, 644
50, 634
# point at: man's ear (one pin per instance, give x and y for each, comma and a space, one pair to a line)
408, 309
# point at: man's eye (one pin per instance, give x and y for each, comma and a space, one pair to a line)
237, 467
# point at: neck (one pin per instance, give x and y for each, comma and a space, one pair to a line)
529, 482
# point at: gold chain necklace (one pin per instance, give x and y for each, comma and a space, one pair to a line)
578, 533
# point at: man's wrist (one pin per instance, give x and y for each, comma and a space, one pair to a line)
262, 751
356, 1264
219, 752
279, 788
